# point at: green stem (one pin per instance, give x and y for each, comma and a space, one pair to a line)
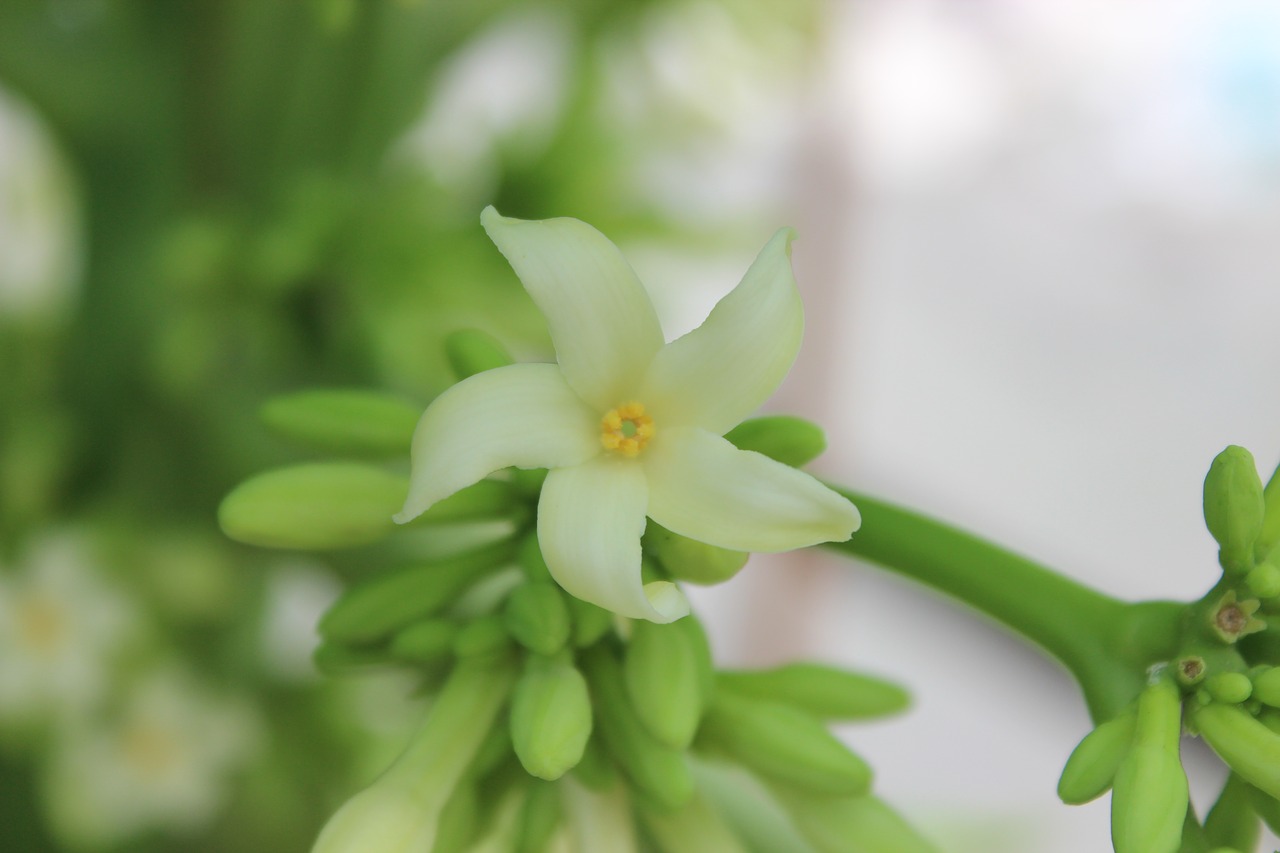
1105, 643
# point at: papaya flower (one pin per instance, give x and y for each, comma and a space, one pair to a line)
628, 425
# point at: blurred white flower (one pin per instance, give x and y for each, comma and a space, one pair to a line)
60, 625
161, 763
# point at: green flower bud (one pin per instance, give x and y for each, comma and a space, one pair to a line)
471, 351
539, 818
1266, 687
427, 641
1269, 537
1233, 506
701, 649
349, 422
1264, 580
590, 622
1247, 746
1149, 803
481, 501
482, 637
550, 717
784, 744
336, 660
824, 691
380, 606
841, 824
1231, 822
695, 827
790, 440
660, 669
1093, 763
537, 615
317, 506
657, 771
401, 811
689, 560
1231, 688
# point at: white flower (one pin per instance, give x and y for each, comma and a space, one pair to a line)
60, 626
630, 426
163, 763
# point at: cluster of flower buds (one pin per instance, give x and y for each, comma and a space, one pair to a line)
1222, 684
555, 724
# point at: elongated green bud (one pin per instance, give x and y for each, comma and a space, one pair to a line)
380, 606
1264, 580
660, 669
590, 622
1231, 688
539, 818
1232, 823
824, 691
1233, 506
1149, 803
787, 439
1266, 687
784, 744
537, 615
689, 560
471, 351
316, 506
842, 824
349, 422
481, 501
1093, 763
482, 637
700, 646
657, 771
425, 642
400, 812
695, 827
1247, 746
1269, 536
550, 716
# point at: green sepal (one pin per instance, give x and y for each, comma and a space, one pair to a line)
1092, 766
537, 615
824, 691
1149, 800
366, 423
1233, 506
690, 560
658, 772
842, 824
427, 641
317, 506
787, 439
551, 716
393, 600
783, 744
660, 668
1247, 746
539, 817
1232, 821
471, 351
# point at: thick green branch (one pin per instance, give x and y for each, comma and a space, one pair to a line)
1104, 642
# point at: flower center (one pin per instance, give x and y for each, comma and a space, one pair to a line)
626, 429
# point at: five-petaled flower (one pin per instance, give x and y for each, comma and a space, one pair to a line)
628, 425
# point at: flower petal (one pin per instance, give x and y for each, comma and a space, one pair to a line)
524, 415
601, 319
590, 519
703, 487
723, 370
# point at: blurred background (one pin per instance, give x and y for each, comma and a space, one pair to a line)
1038, 258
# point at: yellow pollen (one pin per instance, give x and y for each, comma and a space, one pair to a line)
626, 430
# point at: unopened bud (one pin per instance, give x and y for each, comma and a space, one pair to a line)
790, 440
349, 422
551, 717
1233, 506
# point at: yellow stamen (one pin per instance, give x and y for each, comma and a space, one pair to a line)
626, 430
